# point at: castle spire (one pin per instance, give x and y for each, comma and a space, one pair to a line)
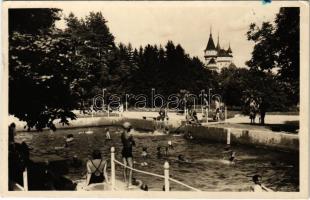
210, 45
218, 42
229, 49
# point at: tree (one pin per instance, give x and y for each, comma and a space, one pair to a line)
277, 47
33, 20
94, 50
43, 75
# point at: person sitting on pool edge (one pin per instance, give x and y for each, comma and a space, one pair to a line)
128, 142
96, 169
258, 186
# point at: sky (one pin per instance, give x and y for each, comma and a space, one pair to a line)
185, 23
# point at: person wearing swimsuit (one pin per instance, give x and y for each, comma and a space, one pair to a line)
96, 169
128, 142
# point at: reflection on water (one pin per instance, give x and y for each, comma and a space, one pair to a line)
206, 169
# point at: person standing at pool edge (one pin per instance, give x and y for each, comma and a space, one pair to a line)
128, 142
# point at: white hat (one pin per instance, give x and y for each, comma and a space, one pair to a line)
126, 125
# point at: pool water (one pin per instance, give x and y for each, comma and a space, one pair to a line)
207, 170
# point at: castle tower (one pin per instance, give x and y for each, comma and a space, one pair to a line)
210, 51
216, 57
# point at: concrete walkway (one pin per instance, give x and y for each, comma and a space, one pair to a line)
269, 119
176, 119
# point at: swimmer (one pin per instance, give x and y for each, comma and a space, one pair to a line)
159, 155
189, 136
232, 157
182, 159
107, 135
144, 152
62, 147
258, 186
69, 138
144, 187
75, 162
144, 155
232, 154
166, 131
136, 182
227, 148
170, 146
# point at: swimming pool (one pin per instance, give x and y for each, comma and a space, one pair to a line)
280, 170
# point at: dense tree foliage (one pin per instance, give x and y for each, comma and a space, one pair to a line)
238, 85
277, 48
52, 71
42, 76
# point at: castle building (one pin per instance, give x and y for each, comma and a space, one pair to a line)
217, 58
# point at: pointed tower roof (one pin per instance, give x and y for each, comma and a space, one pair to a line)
218, 47
229, 49
210, 45
212, 61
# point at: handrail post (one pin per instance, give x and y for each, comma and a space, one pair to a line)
112, 168
166, 173
25, 179
228, 136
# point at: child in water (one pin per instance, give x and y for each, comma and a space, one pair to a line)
144, 155
181, 158
232, 155
170, 146
107, 135
159, 155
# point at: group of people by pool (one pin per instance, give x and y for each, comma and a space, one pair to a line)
96, 167
257, 106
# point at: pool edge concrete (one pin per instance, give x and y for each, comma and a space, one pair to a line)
275, 140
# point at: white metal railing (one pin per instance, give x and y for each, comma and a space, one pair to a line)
166, 177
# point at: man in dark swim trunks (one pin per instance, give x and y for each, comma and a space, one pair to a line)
128, 142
